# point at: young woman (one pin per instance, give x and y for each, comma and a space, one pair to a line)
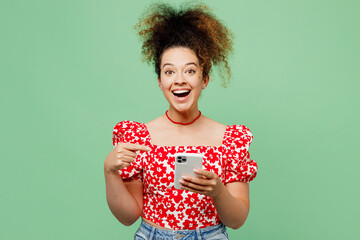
139, 171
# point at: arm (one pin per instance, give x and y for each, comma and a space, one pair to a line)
125, 198
231, 200
232, 204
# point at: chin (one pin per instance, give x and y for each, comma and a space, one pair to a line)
183, 108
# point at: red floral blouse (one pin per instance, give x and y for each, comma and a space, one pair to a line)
181, 209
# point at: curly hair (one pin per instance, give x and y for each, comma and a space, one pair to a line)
192, 26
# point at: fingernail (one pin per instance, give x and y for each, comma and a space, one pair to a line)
185, 177
149, 149
196, 170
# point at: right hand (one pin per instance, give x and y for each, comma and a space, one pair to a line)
122, 156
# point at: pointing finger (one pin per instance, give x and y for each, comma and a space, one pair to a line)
136, 147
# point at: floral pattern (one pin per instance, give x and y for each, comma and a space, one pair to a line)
181, 209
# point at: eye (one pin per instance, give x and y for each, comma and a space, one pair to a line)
167, 72
193, 71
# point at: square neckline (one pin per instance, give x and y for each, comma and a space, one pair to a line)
184, 146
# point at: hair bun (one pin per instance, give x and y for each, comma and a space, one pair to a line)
193, 26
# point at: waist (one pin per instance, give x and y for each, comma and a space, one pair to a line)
154, 224
150, 231
182, 211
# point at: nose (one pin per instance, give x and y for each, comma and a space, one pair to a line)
180, 79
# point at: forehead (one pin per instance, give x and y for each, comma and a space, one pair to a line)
178, 56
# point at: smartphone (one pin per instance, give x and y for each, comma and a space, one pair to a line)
185, 163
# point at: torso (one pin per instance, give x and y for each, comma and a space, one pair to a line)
165, 133
164, 206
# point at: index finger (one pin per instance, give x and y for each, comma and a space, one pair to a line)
136, 147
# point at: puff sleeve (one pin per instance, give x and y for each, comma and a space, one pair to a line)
239, 165
127, 131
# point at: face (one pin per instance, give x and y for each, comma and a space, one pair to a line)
181, 78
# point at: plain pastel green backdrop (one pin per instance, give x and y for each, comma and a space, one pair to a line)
70, 70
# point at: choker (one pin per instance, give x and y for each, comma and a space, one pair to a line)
166, 113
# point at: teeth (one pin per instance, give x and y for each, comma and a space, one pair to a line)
181, 91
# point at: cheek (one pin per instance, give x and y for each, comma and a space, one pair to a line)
165, 83
198, 84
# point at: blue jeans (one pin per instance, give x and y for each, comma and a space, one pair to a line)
148, 232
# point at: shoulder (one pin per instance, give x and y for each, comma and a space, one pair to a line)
124, 125
130, 131
213, 125
238, 135
156, 123
239, 130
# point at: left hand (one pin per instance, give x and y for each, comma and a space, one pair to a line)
208, 184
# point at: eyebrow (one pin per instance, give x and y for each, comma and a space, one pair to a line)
185, 64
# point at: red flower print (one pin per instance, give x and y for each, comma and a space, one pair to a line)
180, 209
177, 195
191, 199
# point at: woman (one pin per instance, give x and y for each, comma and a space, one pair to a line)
139, 171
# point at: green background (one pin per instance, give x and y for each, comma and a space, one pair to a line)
70, 70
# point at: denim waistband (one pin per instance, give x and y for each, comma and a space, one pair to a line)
212, 232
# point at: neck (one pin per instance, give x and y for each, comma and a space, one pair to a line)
183, 117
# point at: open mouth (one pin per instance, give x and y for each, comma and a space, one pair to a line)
181, 93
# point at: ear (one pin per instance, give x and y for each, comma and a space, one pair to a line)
159, 82
206, 81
